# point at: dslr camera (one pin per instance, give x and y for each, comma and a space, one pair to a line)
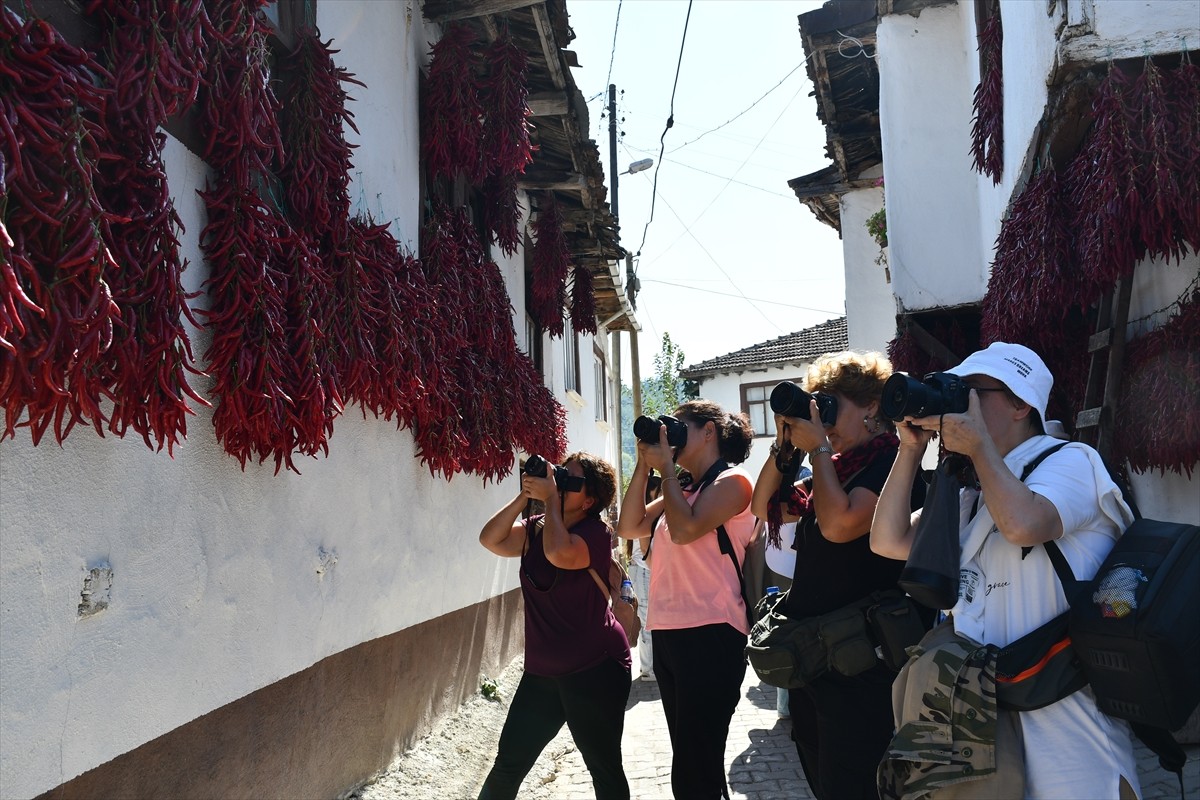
940, 393
538, 467
789, 400
646, 429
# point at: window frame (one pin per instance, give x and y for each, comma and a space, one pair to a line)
600, 391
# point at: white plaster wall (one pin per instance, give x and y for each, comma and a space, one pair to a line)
726, 390
225, 580
1155, 24
925, 91
871, 307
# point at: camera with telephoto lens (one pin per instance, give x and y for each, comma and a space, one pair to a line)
646, 429
789, 400
563, 479
940, 393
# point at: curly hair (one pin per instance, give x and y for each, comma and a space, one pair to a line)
858, 376
599, 479
734, 434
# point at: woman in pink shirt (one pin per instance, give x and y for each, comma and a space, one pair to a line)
698, 618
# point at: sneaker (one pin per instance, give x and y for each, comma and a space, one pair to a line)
648, 676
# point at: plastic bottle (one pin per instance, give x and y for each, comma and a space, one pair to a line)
627, 590
770, 590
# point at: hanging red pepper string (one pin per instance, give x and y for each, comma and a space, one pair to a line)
1159, 406
987, 125
502, 211
58, 311
506, 93
583, 301
1184, 83
551, 263
451, 121
1160, 201
152, 354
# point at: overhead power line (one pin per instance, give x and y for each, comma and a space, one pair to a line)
743, 112
741, 296
662, 145
613, 55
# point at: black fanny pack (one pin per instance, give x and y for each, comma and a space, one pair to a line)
791, 653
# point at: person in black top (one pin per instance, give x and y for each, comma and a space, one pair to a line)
841, 724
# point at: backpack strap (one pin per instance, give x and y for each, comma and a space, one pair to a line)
1025, 473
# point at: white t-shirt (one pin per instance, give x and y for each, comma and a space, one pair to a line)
782, 560
1072, 749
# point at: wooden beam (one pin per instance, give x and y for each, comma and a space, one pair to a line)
451, 10
549, 45
575, 183
548, 104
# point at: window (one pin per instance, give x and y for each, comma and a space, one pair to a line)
533, 343
601, 388
571, 359
756, 403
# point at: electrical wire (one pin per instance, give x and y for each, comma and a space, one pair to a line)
747, 109
613, 55
730, 294
670, 122
630, 153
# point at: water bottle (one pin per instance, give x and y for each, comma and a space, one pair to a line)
772, 590
627, 591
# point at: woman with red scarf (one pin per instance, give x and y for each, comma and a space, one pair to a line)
841, 724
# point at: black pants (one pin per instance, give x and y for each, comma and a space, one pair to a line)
842, 726
700, 672
592, 703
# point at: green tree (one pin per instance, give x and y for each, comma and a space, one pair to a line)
662, 393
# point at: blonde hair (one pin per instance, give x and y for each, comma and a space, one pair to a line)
858, 376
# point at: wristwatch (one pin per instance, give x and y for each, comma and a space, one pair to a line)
822, 449
774, 449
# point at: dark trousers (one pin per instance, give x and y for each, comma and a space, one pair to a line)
591, 703
700, 672
842, 726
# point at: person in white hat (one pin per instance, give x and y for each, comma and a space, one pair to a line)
1007, 585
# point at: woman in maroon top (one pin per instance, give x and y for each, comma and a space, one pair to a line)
577, 665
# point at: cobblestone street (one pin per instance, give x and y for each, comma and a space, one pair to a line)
761, 759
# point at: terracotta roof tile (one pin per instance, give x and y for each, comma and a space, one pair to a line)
801, 346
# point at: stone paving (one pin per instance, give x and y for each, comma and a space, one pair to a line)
762, 759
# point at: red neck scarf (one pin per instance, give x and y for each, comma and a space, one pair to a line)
798, 497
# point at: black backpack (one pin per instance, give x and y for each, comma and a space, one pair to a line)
1135, 628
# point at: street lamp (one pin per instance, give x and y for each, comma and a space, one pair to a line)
639, 166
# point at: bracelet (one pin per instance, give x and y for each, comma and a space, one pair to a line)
822, 449
774, 449
670, 478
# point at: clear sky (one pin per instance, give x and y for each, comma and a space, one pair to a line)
731, 257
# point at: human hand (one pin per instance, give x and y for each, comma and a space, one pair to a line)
658, 456
913, 437
965, 434
536, 488
807, 434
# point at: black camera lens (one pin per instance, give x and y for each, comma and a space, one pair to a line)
538, 467
789, 400
646, 430
939, 393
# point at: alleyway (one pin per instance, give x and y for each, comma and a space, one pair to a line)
454, 759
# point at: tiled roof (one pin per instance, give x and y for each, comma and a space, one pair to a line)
794, 348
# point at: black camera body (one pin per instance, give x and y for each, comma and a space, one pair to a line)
646, 429
789, 400
538, 467
939, 393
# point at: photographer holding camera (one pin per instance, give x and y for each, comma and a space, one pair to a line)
577, 661
1007, 586
698, 619
841, 722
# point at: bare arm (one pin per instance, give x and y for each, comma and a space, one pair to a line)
724, 499
1023, 517
770, 478
563, 549
894, 523
503, 534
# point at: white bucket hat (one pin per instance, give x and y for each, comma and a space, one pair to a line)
1017, 367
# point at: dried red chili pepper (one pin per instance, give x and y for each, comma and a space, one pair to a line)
451, 120
505, 90
987, 124
583, 301
551, 262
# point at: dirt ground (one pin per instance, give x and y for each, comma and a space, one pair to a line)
453, 759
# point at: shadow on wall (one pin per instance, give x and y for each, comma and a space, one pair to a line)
326, 728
